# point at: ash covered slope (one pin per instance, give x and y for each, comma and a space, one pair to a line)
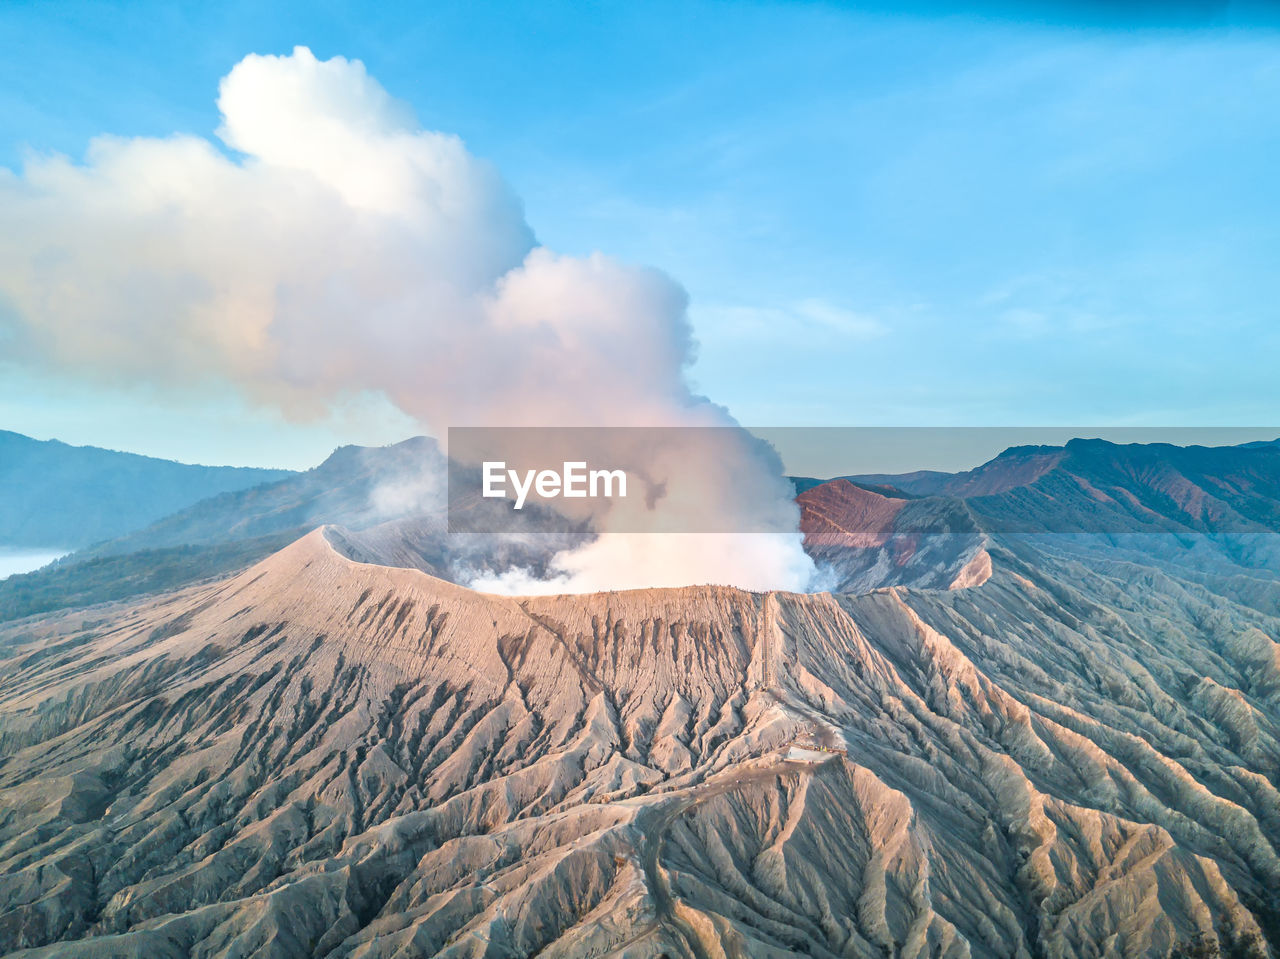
324, 758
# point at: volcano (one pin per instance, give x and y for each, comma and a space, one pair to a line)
1068, 751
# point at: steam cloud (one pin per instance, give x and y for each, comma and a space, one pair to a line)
336, 247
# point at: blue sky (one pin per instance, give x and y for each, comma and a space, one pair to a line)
1009, 215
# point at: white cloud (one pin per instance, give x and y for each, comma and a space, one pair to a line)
839, 320
804, 318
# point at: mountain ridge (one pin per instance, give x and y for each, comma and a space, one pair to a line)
1210, 511
1021, 465
53, 494
228, 531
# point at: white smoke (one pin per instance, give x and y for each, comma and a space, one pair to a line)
332, 247
754, 561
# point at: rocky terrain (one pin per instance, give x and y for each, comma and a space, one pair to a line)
319, 757
1054, 749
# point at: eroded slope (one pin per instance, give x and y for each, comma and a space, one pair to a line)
323, 758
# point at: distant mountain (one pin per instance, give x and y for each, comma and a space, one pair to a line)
355, 487
1092, 486
1021, 466
1213, 511
924, 529
1016, 466
55, 495
803, 484
386, 505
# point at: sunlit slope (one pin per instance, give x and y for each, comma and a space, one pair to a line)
319, 757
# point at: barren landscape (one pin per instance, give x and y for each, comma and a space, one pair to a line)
1072, 751
668, 480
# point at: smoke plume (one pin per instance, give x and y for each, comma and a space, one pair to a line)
329, 246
